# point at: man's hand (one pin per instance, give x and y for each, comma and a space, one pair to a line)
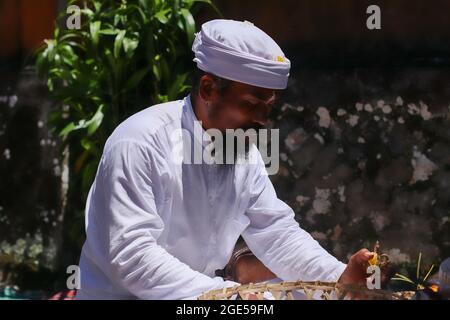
356, 271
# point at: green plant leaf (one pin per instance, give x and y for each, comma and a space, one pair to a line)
72, 127
177, 86
96, 121
109, 32
418, 265
88, 12
118, 43
89, 173
207, 2
67, 129
107, 62
90, 146
129, 46
428, 273
189, 24
400, 277
156, 71
136, 78
94, 28
161, 16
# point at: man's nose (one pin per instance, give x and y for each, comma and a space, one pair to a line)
261, 115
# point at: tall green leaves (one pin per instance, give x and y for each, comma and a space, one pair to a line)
127, 55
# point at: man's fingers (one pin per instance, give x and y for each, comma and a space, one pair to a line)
362, 256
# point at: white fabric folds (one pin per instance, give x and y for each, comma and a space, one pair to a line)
241, 52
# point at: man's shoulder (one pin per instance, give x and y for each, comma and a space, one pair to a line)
149, 124
153, 118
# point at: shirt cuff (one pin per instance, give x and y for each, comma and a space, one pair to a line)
336, 275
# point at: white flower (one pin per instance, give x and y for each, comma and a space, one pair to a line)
319, 138
424, 113
361, 140
7, 154
321, 203
287, 106
341, 193
379, 221
12, 101
380, 104
401, 120
57, 171
324, 117
399, 101
301, 200
413, 109
368, 107
40, 124
397, 257
341, 112
386, 108
359, 106
294, 139
353, 120
423, 167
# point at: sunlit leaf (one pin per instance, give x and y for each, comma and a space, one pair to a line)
189, 23
94, 28
96, 121
118, 43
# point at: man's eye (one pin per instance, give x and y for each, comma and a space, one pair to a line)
248, 104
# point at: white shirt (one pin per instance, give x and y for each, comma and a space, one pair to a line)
158, 229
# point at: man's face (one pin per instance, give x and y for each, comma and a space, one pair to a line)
241, 106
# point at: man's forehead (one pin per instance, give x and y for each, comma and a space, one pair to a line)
267, 95
258, 93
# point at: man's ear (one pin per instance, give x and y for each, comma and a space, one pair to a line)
207, 87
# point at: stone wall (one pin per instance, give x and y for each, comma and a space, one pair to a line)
30, 188
366, 156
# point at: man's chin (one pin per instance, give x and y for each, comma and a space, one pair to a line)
236, 157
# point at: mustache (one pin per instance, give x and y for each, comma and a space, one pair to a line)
254, 127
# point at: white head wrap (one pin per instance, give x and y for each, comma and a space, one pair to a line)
241, 52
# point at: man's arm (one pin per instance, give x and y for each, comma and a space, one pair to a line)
277, 240
124, 186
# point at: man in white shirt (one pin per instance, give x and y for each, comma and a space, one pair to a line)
158, 228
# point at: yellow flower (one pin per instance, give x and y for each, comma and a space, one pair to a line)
374, 259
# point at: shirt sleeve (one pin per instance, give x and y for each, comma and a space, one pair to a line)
275, 237
127, 175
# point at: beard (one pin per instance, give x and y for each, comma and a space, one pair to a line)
236, 145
